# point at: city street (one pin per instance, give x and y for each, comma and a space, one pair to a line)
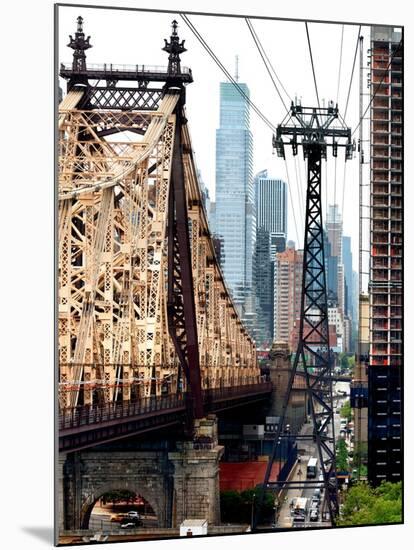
306, 450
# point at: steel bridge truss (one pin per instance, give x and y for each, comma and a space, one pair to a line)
313, 358
143, 307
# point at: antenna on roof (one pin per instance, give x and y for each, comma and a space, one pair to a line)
236, 72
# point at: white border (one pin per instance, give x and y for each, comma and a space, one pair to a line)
27, 302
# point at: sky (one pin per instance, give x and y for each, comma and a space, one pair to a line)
136, 37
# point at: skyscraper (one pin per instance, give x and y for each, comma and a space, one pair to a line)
271, 209
334, 233
271, 223
287, 292
264, 288
235, 213
386, 275
347, 261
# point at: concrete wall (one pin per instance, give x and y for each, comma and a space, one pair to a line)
177, 485
90, 474
196, 475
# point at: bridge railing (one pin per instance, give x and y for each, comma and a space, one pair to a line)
117, 68
84, 415
75, 417
235, 391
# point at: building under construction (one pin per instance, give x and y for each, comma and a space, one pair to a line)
385, 273
359, 388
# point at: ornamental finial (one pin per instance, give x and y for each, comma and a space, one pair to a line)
79, 44
174, 48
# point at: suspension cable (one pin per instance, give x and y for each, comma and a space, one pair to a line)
352, 72
291, 203
343, 191
337, 96
269, 66
313, 67
299, 183
267, 63
340, 64
225, 71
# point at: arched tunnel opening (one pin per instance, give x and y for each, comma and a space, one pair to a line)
120, 509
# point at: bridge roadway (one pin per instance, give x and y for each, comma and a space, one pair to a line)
86, 426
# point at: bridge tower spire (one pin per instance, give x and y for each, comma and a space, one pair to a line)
79, 45
174, 48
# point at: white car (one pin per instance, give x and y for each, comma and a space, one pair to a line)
315, 502
128, 525
314, 515
133, 514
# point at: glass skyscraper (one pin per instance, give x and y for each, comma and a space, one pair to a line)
271, 209
271, 223
235, 213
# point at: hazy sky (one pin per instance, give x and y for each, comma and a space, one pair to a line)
137, 37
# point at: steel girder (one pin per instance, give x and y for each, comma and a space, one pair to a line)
182, 322
114, 193
138, 99
313, 356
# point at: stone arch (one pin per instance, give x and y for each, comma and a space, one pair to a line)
134, 486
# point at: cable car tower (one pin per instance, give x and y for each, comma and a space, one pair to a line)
315, 129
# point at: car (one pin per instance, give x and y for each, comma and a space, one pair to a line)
314, 515
128, 525
118, 517
317, 493
315, 502
133, 514
131, 523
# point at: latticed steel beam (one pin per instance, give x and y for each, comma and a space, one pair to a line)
182, 321
131, 226
313, 353
139, 99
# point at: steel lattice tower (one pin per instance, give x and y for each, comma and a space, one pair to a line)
313, 355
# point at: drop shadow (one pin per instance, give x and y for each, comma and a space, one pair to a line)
44, 534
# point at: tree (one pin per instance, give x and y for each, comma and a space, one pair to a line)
237, 507
341, 456
230, 505
124, 495
360, 458
344, 362
346, 411
365, 505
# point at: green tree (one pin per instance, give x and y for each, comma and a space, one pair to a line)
118, 496
237, 507
344, 362
342, 456
359, 459
366, 505
230, 505
346, 411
